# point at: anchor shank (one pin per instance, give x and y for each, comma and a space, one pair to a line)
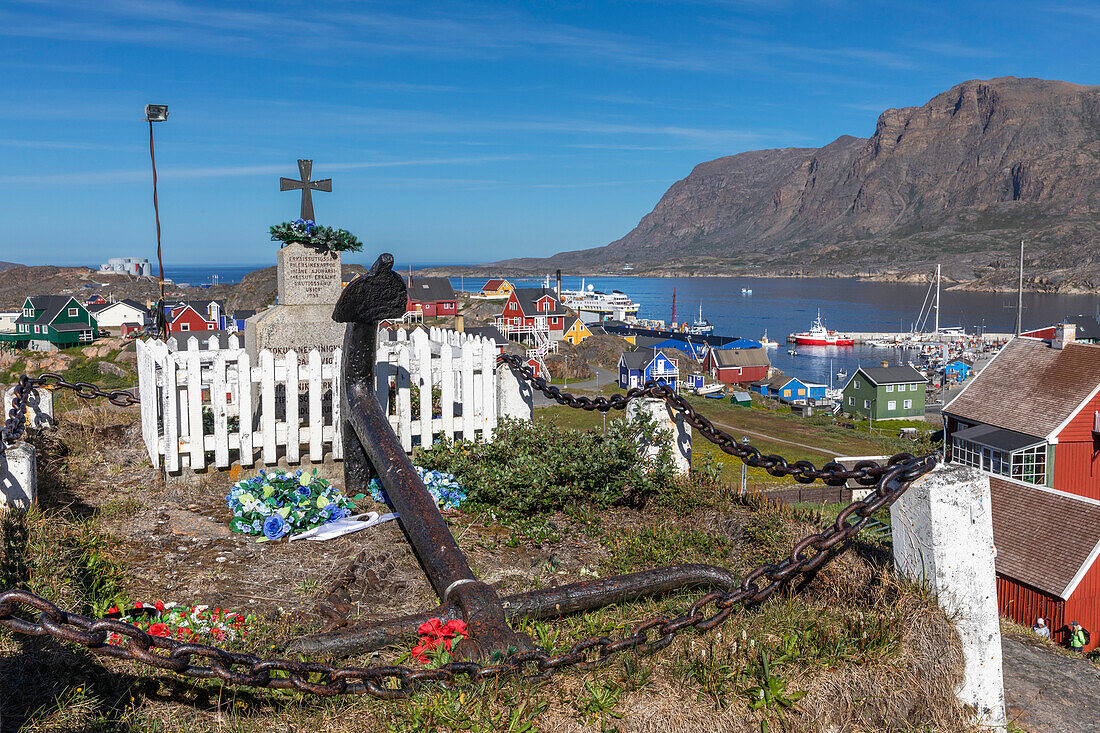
417, 512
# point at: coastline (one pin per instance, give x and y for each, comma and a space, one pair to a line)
949, 284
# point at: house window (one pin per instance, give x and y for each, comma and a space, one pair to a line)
867, 404
1030, 465
855, 384
185, 326
889, 388
786, 393
72, 312
908, 404
801, 393
851, 401
85, 335
912, 388
892, 405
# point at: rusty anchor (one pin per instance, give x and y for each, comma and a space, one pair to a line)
371, 448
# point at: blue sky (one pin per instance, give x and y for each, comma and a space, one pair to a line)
453, 132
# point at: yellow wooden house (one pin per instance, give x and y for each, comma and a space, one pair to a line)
577, 332
497, 288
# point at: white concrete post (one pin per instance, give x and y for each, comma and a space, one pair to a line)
514, 396
943, 538
665, 420
18, 477
39, 407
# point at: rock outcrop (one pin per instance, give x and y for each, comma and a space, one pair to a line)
960, 180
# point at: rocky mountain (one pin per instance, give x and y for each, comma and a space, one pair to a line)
960, 180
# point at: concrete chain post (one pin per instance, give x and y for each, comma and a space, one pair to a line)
18, 477
658, 411
943, 538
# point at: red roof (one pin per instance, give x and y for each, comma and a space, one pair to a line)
493, 284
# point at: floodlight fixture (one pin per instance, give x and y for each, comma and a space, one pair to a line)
156, 112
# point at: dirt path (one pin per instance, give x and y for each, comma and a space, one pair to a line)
765, 436
1046, 692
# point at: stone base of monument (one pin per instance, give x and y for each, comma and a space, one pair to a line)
298, 327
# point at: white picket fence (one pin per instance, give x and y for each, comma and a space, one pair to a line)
212, 407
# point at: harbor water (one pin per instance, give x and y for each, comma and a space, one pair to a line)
783, 306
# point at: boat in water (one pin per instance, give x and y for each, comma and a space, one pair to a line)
768, 343
700, 326
818, 335
594, 305
746, 291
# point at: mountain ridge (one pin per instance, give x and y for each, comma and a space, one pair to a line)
959, 180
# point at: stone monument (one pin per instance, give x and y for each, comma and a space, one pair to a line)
309, 284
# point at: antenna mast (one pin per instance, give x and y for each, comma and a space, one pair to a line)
937, 298
1020, 294
674, 308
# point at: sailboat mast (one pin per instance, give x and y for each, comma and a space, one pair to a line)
937, 298
1020, 294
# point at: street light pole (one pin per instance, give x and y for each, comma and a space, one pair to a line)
157, 113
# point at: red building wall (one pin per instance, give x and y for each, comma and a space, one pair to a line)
194, 321
1077, 455
438, 308
1024, 604
1083, 605
735, 375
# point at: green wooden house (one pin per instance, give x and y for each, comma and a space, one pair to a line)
885, 393
51, 322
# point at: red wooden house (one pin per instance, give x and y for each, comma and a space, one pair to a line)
734, 366
431, 296
184, 318
1047, 544
1033, 414
531, 310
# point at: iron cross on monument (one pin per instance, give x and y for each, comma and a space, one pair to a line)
305, 167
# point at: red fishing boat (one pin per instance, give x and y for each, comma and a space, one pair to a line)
818, 335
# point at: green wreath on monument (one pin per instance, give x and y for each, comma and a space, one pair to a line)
304, 231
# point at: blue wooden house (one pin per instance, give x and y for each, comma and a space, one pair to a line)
235, 321
789, 389
641, 365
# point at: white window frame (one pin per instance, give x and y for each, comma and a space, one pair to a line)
889, 388
907, 404
912, 387
855, 384
892, 405
85, 335
185, 327
867, 404
73, 312
851, 401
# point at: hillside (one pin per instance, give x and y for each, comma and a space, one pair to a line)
960, 180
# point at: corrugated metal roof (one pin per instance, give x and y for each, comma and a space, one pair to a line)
741, 357
638, 359
1030, 387
1044, 538
892, 375
999, 438
430, 289
529, 297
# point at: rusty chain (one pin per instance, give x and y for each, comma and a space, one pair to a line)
866, 473
16, 420
891, 480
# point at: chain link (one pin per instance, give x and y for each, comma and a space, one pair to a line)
394, 682
15, 422
866, 473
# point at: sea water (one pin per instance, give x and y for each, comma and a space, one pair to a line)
783, 306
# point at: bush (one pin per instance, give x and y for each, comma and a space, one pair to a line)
539, 467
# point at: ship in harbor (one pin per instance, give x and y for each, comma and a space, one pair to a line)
593, 305
818, 335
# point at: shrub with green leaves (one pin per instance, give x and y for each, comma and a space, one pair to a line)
538, 467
